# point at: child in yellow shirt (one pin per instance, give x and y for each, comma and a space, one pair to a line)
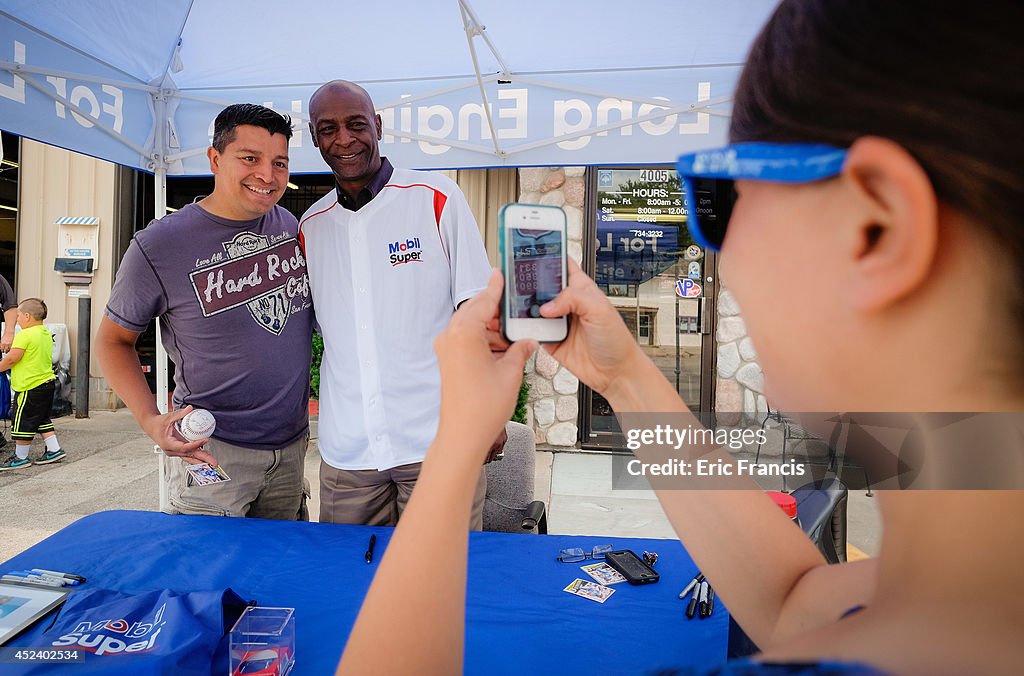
33, 382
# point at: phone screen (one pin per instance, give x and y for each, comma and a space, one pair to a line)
536, 270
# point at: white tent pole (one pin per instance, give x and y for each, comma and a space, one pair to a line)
442, 142
434, 140
20, 69
161, 354
160, 210
433, 93
468, 9
186, 153
474, 28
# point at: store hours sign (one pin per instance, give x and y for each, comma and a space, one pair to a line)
641, 216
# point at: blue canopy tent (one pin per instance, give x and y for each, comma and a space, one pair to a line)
458, 83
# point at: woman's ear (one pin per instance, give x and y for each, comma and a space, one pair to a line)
897, 229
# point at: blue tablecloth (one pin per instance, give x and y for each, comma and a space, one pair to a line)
519, 621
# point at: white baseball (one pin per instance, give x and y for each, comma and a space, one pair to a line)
199, 424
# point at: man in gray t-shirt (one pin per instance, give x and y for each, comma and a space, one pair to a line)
226, 277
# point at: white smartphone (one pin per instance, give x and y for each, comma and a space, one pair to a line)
533, 256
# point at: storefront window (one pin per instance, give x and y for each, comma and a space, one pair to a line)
657, 278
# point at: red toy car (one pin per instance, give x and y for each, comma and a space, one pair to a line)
265, 662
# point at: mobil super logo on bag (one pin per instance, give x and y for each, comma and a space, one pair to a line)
106, 636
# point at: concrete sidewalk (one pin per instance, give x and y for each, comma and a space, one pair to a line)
110, 464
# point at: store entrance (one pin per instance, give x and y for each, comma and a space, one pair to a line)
660, 281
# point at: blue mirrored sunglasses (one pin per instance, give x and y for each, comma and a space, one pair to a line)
709, 177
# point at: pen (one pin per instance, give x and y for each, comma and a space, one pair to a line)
30, 580
53, 572
691, 607
49, 576
369, 548
697, 580
703, 604
711, 600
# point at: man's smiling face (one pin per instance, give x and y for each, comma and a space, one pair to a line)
346, 129
251, 174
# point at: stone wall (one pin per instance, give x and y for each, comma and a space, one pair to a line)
553, 405
740, 386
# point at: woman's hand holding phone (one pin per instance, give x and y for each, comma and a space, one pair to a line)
478, 387
480, 383
599, 349
534, 253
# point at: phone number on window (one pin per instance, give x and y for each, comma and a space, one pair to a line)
27, 655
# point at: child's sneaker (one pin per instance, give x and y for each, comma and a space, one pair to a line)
49, 457
14, 462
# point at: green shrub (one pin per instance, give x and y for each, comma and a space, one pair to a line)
519, 415
314, 367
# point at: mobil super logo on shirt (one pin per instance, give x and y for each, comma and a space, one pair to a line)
405, 251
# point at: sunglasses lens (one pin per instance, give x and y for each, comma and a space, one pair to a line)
571, 555
600, 550
709, 207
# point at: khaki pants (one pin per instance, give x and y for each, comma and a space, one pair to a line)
263, 485
371, 498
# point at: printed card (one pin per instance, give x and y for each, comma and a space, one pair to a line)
589, 590
205, 474
603, 573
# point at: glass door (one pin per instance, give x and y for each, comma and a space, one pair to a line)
662, 284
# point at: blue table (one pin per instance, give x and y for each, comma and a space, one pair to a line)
519, 621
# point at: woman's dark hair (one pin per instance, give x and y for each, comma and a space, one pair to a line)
945, 80
247, 113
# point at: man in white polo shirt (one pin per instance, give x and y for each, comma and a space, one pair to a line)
391, 253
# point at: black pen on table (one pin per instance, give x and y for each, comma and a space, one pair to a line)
691, 607
69, 576
369, 548
704, 601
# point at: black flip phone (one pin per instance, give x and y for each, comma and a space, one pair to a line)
632, 567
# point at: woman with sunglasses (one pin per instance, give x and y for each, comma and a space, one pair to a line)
877, 154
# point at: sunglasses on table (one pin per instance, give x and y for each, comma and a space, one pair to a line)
577, 554
709, 209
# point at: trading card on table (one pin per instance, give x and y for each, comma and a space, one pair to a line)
603, 573
574, 585
205, 474
594, 592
